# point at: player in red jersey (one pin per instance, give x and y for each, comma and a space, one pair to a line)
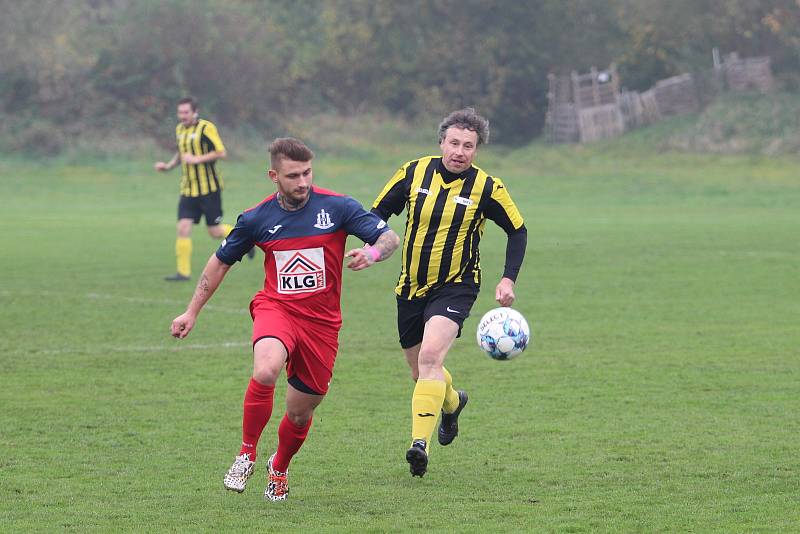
302, 230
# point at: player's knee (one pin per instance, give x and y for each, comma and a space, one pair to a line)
184, 227
429, 359
299, 418
265, 375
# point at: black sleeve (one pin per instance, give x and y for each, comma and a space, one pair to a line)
495, 212
392, 200
392, 203
515, 252
502, 210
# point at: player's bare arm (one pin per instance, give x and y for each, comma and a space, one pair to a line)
210, 280
194, 159
384, 247
169, 165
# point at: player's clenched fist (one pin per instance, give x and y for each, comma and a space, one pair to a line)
182, 325
504, 293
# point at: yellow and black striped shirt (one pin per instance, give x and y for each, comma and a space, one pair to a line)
200, 138
447, 214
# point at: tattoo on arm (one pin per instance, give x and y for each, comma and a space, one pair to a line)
209, 282
202, 285
386, 244
202, 292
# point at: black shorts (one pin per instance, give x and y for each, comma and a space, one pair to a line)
209, 205
453, 301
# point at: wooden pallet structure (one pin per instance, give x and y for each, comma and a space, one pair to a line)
588, 107
747, 74
584, 107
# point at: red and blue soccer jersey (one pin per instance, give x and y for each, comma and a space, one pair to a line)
304, 250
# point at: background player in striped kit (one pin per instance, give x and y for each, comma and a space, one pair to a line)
199, 146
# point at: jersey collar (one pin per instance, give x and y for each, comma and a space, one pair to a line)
451, 178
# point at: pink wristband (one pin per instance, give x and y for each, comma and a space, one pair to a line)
373, 252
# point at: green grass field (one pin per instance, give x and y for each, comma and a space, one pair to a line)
661, 393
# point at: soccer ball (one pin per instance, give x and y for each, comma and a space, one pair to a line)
503, 333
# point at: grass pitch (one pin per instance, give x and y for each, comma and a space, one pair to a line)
660, 393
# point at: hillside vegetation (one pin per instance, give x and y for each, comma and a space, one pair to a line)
116, 67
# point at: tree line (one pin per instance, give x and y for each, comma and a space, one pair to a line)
87, 64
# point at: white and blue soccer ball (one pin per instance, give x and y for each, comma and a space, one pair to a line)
503, 333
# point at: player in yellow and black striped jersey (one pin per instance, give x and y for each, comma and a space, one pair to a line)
199, 146
448, 201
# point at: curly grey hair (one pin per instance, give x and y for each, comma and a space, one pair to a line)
466, 119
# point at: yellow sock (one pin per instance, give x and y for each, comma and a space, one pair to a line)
227, 228
183, 253
450, 395
425, 406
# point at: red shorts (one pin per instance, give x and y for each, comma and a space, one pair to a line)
311, 346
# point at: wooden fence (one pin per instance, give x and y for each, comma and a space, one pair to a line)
748, 74
588, 107
584, 107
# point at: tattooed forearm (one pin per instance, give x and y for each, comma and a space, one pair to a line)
202, 289
203, 284
209, 282
386, 244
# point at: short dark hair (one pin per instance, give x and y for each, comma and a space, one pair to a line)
466, 119
192, 101
288, 148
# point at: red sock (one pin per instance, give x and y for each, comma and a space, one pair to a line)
290, 439
257, 411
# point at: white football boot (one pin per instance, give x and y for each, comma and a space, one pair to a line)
237, 476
